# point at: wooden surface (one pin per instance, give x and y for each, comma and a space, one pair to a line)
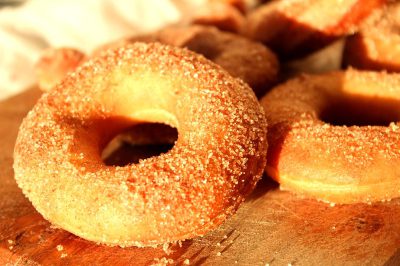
270, 227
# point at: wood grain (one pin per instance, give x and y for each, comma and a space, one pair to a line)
272, 227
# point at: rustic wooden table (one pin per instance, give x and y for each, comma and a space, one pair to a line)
271, 227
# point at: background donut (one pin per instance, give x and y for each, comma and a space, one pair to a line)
336, 136
242, 58
377, 46
296, 28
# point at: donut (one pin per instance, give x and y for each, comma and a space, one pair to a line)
215, 163
219, 14
336, 136
242, 58
376, 47
295, 28
54, 64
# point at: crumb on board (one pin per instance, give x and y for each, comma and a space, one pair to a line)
59, 247
10, 244
180, 243
162, 262
186, 262
167, 249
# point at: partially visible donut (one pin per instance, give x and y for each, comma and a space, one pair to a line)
54, 64
219, 155
219, 14
377, 46
336, 161
294, 28
242, 58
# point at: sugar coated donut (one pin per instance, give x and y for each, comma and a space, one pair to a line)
294, 28
216, 161
376, 47
352, 157
54, 64
242, 58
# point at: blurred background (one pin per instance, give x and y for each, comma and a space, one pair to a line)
29, 27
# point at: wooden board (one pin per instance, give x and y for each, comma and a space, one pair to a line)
270, 227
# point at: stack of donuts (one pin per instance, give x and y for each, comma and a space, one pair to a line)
226, 83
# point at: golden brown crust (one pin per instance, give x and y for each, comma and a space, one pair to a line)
376, 47
242, 58
216, 161
341, 164
54, 64
294, 28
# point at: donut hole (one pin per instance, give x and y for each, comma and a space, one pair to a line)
361, 111
139, 142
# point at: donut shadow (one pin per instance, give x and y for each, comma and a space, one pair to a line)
264, 186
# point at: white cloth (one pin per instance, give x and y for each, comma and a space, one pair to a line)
28, 29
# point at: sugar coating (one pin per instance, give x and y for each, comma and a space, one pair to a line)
341, 164
217, 159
